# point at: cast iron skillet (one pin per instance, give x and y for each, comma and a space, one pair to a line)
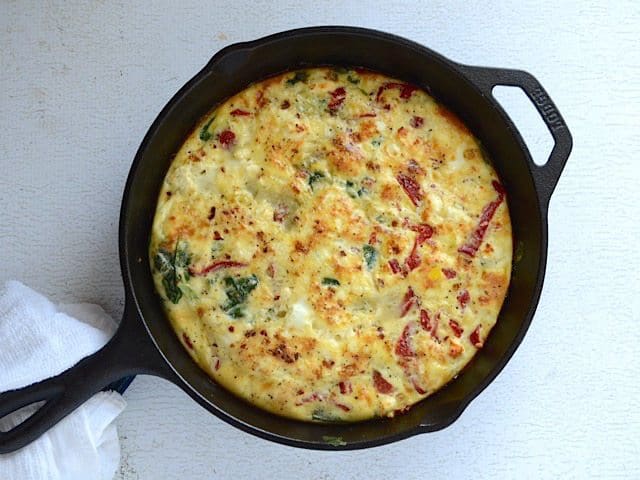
145, 342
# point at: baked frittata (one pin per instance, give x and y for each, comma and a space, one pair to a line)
331, 245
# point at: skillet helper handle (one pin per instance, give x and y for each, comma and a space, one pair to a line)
129, 352
545, 176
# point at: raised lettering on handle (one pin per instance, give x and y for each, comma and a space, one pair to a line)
549, 113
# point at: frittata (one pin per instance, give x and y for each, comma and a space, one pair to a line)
332, 244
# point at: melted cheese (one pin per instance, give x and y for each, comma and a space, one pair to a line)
282, 224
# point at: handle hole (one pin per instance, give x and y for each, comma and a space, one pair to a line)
525, 116
15, 418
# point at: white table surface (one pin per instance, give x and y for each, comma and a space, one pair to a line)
80, 83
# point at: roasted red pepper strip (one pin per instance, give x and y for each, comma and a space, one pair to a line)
475, 239
449, 273
429, 323
411, 187
475, 339
406, 89
227, 138
314, 397
240, 113
408, 301
187, 340
424, 231
381, 384
417, 386
216, 266
463, 298
394, 266
404, 348
345, 387
417, 122
337, 98
413, 261
457, 329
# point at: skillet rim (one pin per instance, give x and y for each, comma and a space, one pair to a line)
462, 71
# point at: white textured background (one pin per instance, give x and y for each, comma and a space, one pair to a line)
80, 82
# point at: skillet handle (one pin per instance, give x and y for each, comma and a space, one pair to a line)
545, 176
129, 352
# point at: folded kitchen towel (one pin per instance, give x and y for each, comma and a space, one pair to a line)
38, 340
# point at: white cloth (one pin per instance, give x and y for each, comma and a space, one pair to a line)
38, 340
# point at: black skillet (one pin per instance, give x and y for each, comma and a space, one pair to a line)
145, 342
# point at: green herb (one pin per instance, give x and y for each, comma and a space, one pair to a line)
334, 441
370, 255
330, 281
171, 289
237, 290
237, 311
320, 415
315, 177
171, 265
351, 189
182, 257
188, 291
205, 134
376, 142
300, 76
354, 80
163, 260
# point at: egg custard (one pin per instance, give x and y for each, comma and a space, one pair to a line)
331, 245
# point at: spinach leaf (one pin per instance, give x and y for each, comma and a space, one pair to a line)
334, 441
321, 416
171, 289
351, 189
237, 290
354, 80
168, 264
315, 177
182, 257
330, 281
205, 134
370, 255
300, 76
163, 260
237, 311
